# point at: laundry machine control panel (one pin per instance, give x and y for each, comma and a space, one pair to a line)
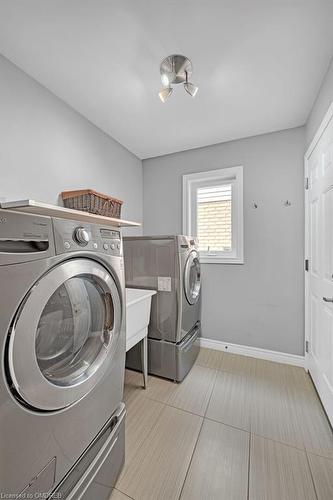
187, 243
72, 236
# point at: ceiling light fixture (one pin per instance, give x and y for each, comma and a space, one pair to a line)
176, 69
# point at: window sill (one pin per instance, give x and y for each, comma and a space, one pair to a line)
220, 260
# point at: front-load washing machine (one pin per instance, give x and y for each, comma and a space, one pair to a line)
62, 333
171, 266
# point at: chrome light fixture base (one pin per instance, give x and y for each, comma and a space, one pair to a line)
176, 69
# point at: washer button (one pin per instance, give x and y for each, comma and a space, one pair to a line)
113, 246
67, 245
95, 245
118, 246
105, 246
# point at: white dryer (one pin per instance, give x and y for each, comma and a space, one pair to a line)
62, 334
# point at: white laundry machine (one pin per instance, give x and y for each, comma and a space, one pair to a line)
171, 266
62, 335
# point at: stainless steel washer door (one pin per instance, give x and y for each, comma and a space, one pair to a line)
192, 278
64, 335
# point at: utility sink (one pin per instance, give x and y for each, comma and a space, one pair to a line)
138, 302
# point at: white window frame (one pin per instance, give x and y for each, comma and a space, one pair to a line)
229, 175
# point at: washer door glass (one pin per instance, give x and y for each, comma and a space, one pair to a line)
65, 335
72, 331
192, 278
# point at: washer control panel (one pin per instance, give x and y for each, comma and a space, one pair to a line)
187, 243
71, 236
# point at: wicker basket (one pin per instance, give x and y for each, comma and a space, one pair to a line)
90, 201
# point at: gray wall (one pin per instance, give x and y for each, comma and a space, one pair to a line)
46, 147
323, 101
259, 303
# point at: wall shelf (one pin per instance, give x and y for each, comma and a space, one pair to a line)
38, 208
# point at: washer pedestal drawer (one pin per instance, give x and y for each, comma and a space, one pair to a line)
167, 359
96, 472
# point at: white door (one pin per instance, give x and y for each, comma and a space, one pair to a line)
319, 251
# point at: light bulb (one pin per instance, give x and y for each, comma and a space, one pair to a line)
191, 89
165, 93
165, 80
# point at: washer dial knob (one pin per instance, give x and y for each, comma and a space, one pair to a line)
81, 235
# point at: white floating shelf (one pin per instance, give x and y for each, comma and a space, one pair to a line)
36, 207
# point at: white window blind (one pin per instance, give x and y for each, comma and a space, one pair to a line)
214, 218
213, 212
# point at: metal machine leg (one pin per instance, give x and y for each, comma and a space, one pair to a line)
144, 360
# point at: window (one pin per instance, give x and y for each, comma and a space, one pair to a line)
213, 212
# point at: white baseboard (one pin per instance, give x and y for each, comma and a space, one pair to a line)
254, 352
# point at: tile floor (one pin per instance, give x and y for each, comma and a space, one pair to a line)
237, 428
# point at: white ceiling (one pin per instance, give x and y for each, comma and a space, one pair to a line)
258, 63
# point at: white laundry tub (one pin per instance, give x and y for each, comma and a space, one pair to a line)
138, 304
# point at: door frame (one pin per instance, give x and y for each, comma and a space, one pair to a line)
325, 121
